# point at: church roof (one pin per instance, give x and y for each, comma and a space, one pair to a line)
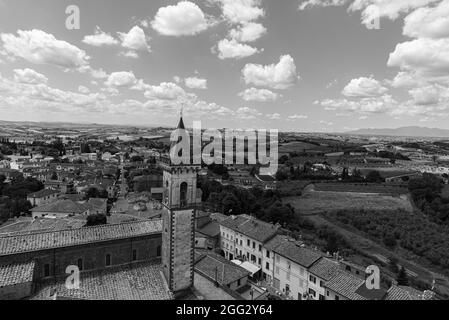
139, 281
42, 240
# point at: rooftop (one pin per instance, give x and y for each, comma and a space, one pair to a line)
16, 273
138, 281
325, 268
41, 240
346, 285
216, 267
290, 249
251, 227
42, 193
63, 206
403, 293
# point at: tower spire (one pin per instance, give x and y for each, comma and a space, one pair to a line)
181, 121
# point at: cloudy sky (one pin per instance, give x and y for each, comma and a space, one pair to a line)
305, 65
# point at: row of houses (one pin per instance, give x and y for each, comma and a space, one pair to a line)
294, 270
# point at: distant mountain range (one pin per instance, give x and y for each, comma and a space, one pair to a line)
404, 132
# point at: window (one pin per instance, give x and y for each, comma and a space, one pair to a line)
80, 264
321, 297
267, 266
108, 260
312, 292
254, 245
327, 293
312, 279
134, 255
46, 270
321, 283
268, 254
238, 282
337, 297
260, 247
248, 243
241, 242
253, 258
260, 261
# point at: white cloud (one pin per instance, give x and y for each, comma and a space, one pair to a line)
83, 90
39, 47
364, 87
305, 4
297, 117
426, 57
428, 22
248, 32
100, 38
429, 95
121, 79
231, 49
29, 76
182, 19
247, 113
375, 9
276, 76
240, 11
165, 91
135, 39
129, 54
196, 83
39, 97
381, 104
260, 95
273, 116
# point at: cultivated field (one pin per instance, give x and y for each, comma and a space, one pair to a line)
360, 188
299, 146
315, 202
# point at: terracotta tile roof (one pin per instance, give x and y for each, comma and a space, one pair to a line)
71, 237
42, 193
63, 206
16, 273
346, 284
212, 229
403, 293
325, 268
290, 249
217, 267
138, 281
251, 227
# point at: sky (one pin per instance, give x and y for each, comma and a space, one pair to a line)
302, 65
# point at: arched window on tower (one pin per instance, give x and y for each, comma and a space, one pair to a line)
183, 194
166, 192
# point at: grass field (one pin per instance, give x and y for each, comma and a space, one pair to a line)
361, 188
313, 202
299, 146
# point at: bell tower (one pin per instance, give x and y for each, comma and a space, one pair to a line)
180, 199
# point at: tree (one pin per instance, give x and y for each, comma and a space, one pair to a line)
96, 219
93, 192
54, 176
375, 177
389, 240
402, 277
